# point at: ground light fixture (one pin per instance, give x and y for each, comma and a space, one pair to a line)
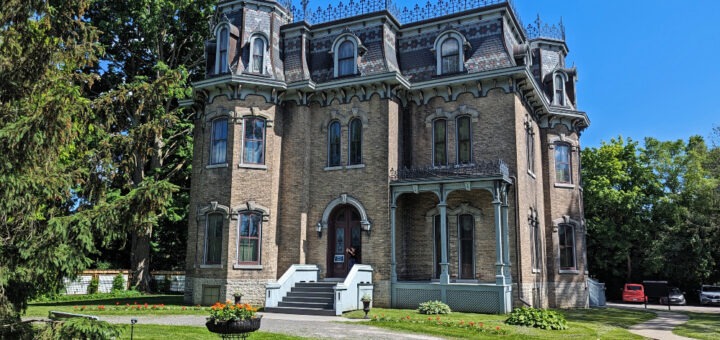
133, 321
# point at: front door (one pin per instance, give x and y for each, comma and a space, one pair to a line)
344, 239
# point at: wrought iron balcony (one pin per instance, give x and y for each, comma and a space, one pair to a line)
475, 170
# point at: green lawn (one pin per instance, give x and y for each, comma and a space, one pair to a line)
137, 305
188, 332
700, 326
605, 323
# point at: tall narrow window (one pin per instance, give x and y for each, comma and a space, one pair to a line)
438, 250
218, 148
464, 140
346, 59
249, 236
450, 55
439, 142
562, 163
466, 236
535, 245
258, 54
559, 90
530, 146
334, 144
254, 141
566, 238
222, 51
355, 152
213, 239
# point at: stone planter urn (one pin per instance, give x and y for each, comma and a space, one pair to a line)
234, 329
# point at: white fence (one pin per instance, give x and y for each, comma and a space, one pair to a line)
166, 281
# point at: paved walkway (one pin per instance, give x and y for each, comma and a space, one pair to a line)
310, 326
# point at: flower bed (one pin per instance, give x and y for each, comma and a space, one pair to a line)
437, 321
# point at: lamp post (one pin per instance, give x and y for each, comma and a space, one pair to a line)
133, 321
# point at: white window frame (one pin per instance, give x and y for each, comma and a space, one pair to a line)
358, 48
263, 164
266, 49
259, 238
569, 163
574, 267
222, 31
212, 141
437, 48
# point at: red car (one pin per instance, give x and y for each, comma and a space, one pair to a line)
634, 292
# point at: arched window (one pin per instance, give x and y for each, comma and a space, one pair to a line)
536, 244
213, 239
530, 147
563, 163
254, 141
222, 54
440, 142
466, 243
257, 59
464, 140
334, 144
249, 237
450, 56
559, 90
218, 146
566, 241
346, 59
355, 145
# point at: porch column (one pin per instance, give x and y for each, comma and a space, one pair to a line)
393, 261
444, 275
506, 237
499, 275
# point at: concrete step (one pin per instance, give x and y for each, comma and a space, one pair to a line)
297, 289
321, 305
301, 311
329, 285
317, 295
304, 298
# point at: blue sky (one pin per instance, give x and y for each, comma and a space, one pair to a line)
646, 68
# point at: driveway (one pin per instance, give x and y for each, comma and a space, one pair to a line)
664, 308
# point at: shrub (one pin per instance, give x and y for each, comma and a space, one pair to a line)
118, 283
538, 318
94, 285
83, 328
434, 307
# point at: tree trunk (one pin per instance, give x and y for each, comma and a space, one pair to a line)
629, 268
140, 260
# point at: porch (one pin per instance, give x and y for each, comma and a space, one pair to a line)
450, 239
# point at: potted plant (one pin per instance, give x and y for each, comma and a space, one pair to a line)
229, 318
238, 296
366, 299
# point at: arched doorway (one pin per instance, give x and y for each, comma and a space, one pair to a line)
344, 233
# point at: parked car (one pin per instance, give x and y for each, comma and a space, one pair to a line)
676, 297
634, 292
709, 295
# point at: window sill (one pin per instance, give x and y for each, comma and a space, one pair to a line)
216, 166
565, 185
536, 271
253, 166
248, 266
532, 174
257, 74
569, 271
333, 168
211, 266
355, 166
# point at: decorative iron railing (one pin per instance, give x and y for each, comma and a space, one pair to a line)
412, 14
480, 169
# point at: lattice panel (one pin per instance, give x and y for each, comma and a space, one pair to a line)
473, 301
411, 298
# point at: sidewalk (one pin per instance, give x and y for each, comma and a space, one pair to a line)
658, 328
309, 326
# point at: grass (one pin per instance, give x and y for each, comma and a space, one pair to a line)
136, 305
189, 332
700, 326
606, 323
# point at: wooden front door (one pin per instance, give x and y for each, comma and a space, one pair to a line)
343, 233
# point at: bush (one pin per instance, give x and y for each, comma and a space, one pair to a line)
83, 328
434, 307
538, 318
94, 285
118, 283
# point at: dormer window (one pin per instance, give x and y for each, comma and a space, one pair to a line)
345, 50
222, 66
449, 51
258, 46
559, 90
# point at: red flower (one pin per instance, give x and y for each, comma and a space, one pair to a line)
408, 317
497, 328
117, 303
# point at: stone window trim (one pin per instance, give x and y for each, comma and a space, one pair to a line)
249, 207
461, 110
365, 222
358, 50
560, 78
463, 46
572, 148
576, 228
344, 117
201, 218
255, 38
226, 34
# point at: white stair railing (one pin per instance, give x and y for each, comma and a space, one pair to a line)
349, 292
275, 291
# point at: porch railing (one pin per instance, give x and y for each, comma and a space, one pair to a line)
275, 291
357, 283
479, 169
